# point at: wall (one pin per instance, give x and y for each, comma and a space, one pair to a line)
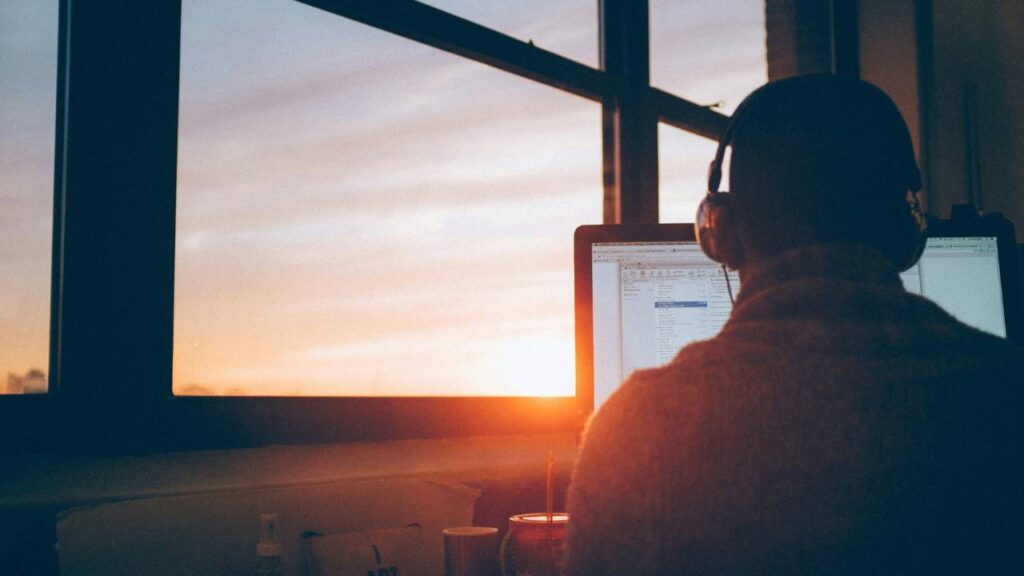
956, 69
978, 55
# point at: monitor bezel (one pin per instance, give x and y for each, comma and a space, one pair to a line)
583, 240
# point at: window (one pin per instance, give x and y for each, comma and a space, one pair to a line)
188, 237
362, 215
711, 53
565, 27
683, 160
28, 58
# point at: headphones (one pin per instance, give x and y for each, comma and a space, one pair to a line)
715, 226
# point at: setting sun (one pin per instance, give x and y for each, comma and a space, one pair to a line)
538, 366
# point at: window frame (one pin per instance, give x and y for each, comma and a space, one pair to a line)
114, 212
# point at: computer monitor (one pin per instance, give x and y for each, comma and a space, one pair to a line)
645, 291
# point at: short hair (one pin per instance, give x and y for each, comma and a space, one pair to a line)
818, 159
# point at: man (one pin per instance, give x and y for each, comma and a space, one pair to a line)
837, 424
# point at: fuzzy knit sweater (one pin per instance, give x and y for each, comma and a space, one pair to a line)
836, 425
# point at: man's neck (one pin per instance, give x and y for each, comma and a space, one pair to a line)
839, 261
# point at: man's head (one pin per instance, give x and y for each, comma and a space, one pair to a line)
815, 159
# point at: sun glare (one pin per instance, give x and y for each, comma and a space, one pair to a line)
534, 366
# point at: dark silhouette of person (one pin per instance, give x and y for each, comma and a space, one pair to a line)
837, 424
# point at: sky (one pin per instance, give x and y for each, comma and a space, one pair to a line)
359, 214
28, 81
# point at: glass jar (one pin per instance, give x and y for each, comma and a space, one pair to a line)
533, 546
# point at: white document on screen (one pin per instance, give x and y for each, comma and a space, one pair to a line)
665, 308
649, 300
962, 276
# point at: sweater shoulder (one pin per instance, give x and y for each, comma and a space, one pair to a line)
667, 397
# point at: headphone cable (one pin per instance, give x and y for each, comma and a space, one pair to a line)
728, 284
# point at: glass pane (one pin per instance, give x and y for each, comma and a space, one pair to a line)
28, 88
708, 51
683, 159
359, 214
565, 27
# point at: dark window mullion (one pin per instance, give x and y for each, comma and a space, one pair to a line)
116, 274
59, 164
688, 116
630, 120
845, 42
437, 28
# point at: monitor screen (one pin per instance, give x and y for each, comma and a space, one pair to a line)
651, 298
962, 275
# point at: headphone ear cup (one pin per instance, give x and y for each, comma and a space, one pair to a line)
916, 236
716, 231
